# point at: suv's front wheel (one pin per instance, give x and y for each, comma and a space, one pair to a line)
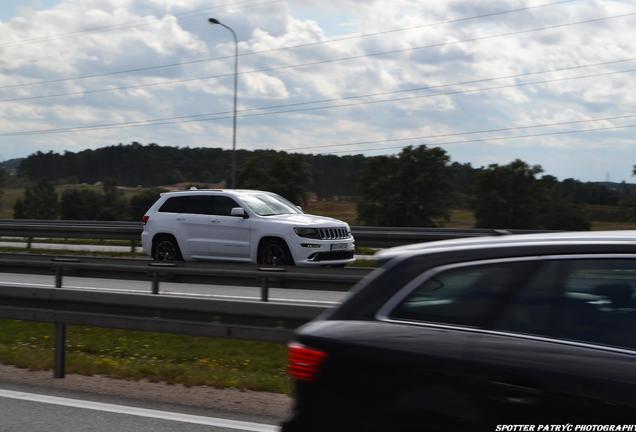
274, 252
165, 248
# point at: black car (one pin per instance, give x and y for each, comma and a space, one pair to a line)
476, 334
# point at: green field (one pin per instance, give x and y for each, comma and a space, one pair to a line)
168, 358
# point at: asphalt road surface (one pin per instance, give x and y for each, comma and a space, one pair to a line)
37, 409
226, 292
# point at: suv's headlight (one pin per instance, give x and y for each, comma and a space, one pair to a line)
307, 232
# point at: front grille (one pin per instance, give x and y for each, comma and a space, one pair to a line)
333, 233
331, 256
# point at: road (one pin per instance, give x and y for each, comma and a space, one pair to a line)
95, 248
38, 409
225, 292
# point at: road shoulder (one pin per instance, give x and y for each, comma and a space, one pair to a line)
229, 400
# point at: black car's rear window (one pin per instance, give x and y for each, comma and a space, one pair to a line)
464, 296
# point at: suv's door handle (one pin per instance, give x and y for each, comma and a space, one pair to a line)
215, 221
181, 219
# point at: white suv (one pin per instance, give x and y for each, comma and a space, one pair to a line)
244, 226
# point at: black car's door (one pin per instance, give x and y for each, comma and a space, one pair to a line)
455, 300
562, 349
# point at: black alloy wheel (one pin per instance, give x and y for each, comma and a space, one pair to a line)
275, 253
166, 249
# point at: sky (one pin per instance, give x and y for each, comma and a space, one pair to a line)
548, 82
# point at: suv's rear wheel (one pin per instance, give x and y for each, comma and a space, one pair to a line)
274, 252
165, 248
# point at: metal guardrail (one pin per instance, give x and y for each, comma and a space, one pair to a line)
371, 236
334, 279
145, 312
197, 316
99, 230
367, 236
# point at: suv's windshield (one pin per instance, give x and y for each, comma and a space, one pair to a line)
268, 205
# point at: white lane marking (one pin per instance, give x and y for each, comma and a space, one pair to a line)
178, 293
140, 412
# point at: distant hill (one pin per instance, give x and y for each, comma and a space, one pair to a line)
11, 165
615, 185
154, 165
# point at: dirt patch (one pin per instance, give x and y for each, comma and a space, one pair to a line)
232, 400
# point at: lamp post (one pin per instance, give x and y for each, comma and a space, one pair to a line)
214, 21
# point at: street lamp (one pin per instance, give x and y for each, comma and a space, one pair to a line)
214, 21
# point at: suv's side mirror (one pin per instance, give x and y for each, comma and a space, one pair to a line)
299, 208
239, 212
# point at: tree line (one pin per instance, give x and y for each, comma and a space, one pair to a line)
42, 201
417, 187
154, 165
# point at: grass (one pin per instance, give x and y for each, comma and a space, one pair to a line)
344, 210
347, 211
173, 359
603, 226
461, 218
9, 197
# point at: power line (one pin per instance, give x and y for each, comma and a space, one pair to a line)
248, 53
496, 138
179, 81
138, 23
446, 135
201, 117
168, 82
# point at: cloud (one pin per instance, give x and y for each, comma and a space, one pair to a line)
50, 44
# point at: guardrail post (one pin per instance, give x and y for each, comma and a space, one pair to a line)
59, 362
29, 240
58, 277
265, 281
59, 271
265, 289
155, 282
133, 246
156, 273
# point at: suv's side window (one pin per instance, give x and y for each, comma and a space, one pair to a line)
223, 205
464, 295
598, 303
194, 204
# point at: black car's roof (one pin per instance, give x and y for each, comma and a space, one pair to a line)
529, 241
402, 264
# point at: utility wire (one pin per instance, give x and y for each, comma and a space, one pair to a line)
180, 81
446, 135
168, 82
203, 117
498, 138
248, 53
139, 23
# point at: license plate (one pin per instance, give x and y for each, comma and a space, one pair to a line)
340, 246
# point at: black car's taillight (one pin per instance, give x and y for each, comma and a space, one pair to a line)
303, 363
